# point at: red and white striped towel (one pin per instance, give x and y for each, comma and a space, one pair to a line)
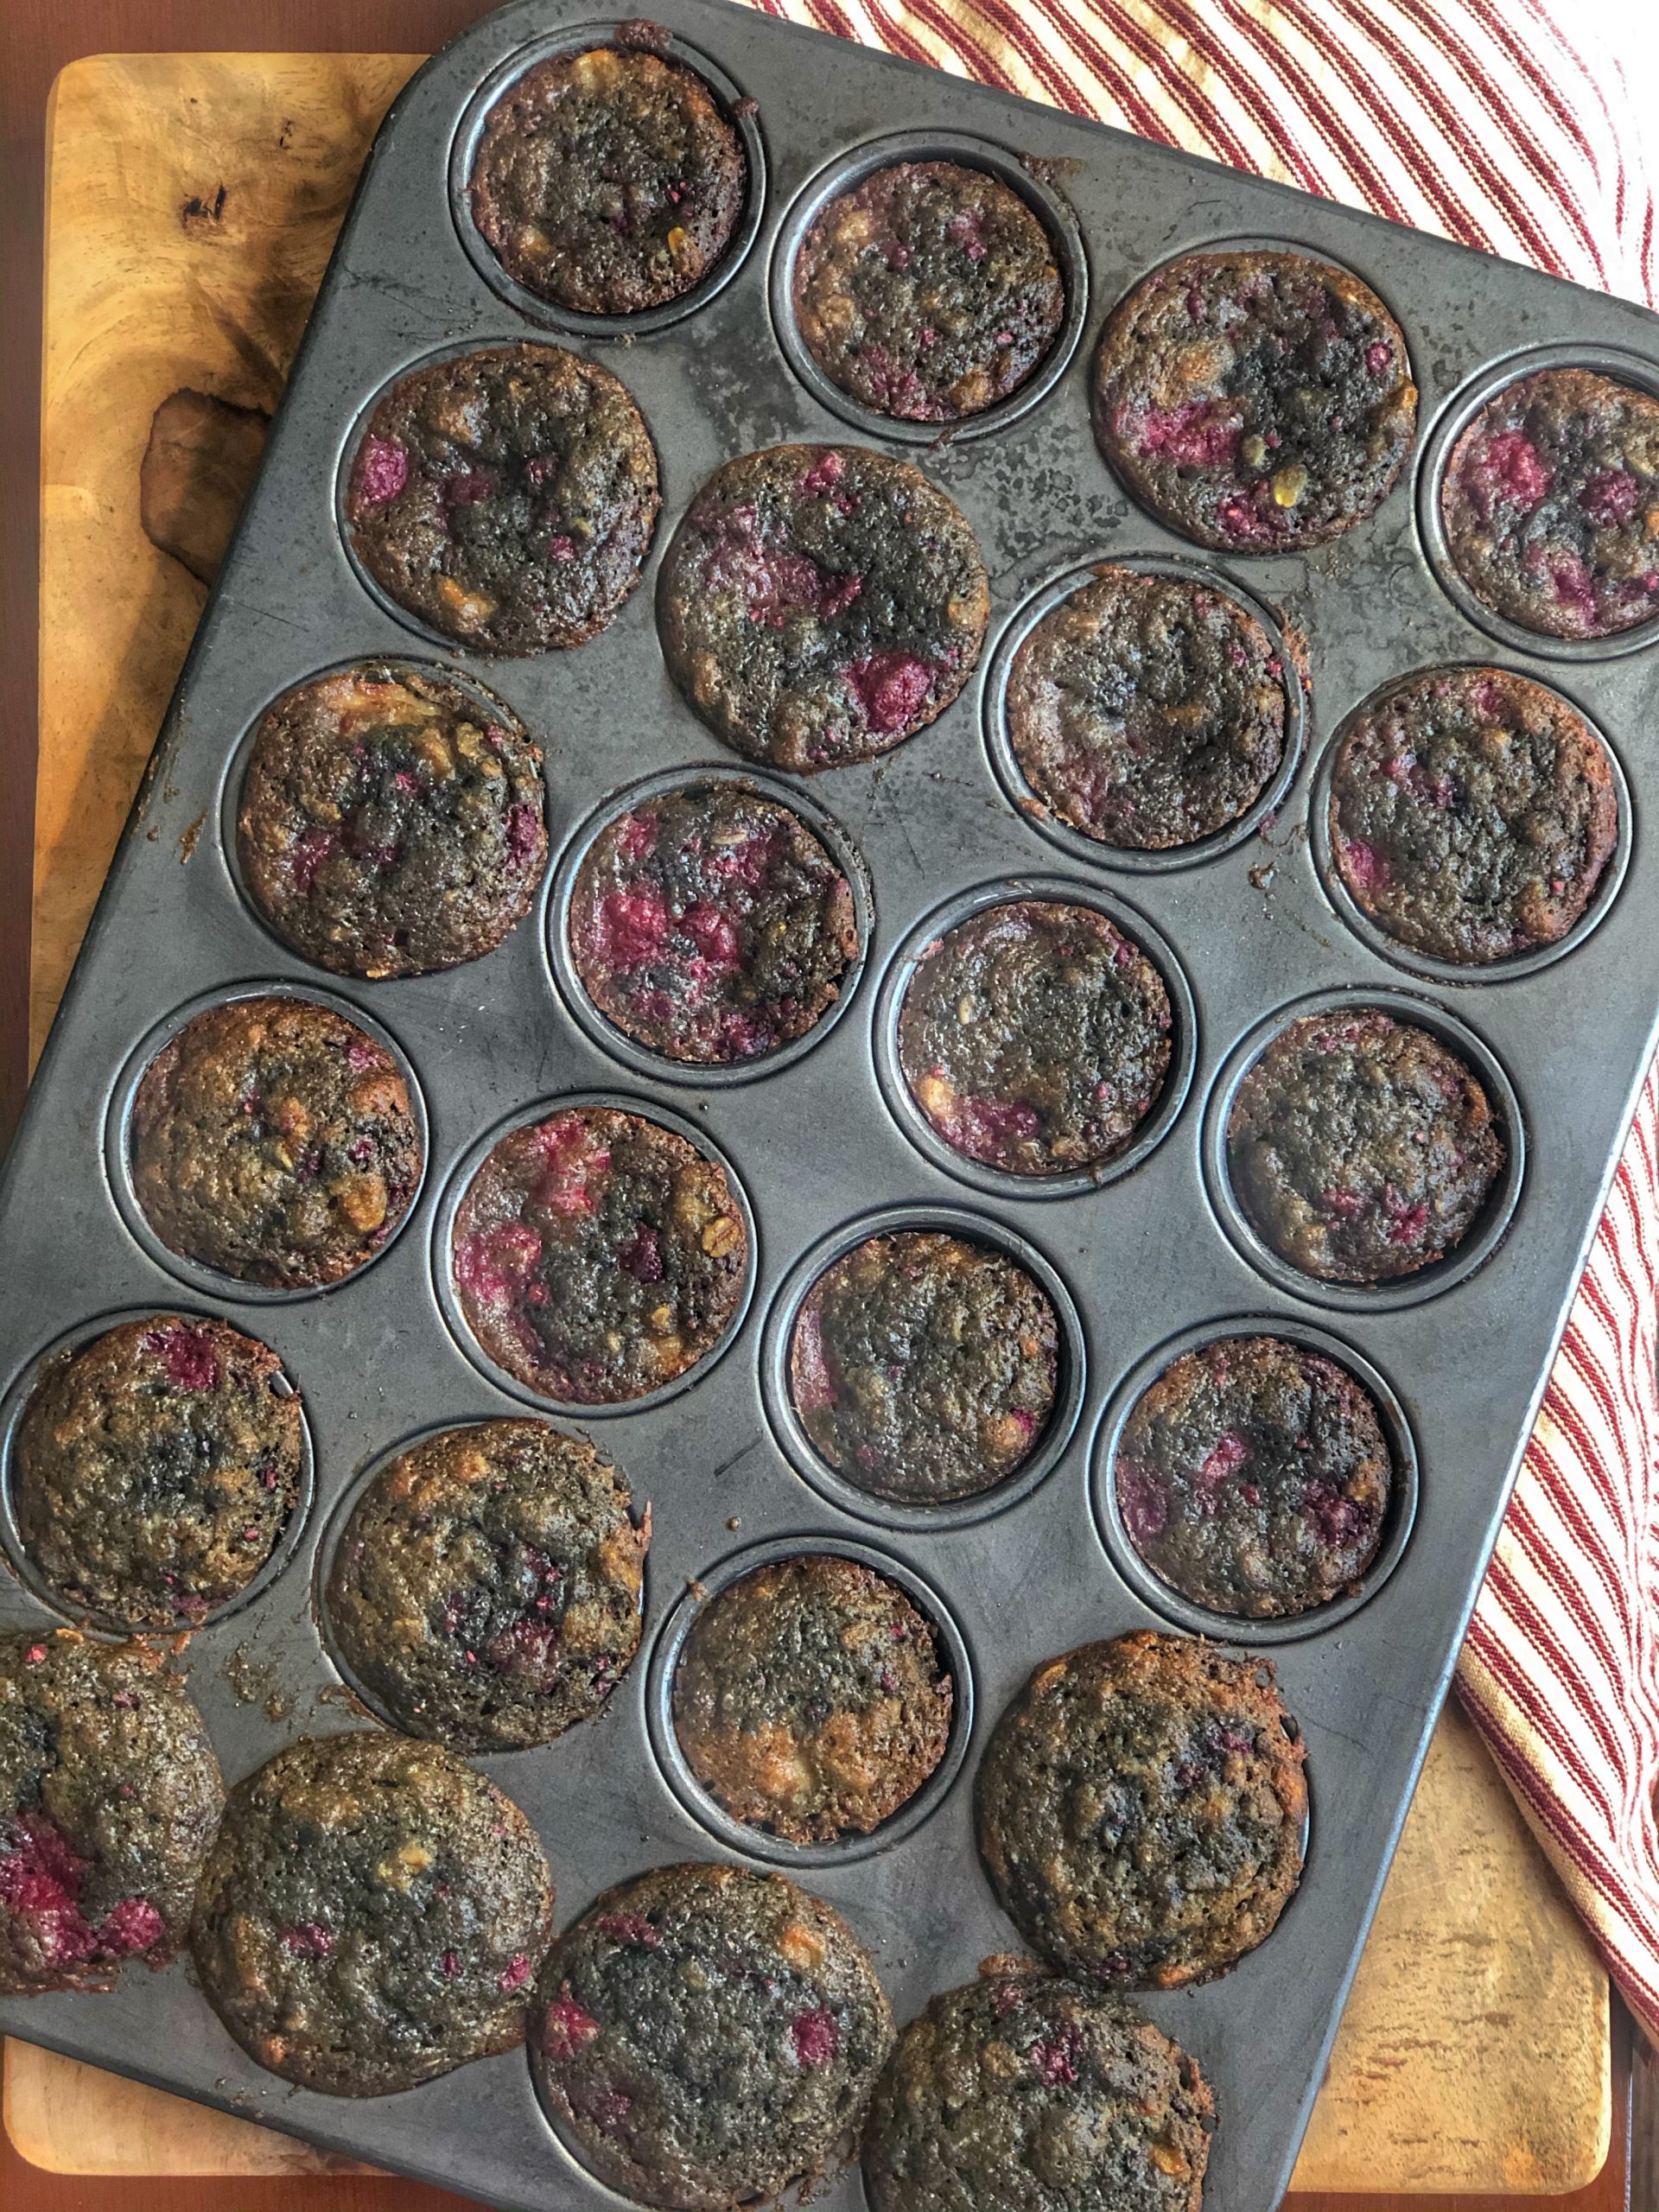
1488, 122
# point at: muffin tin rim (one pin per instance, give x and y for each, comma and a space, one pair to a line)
843, 173
357, 415
333, 1527
668, 1646
615, 1042
228, 806
900, 1516
1014, 890
1043, 600
1497, 373
458, 1180
1497, 1211
1185, 1614
116, 1148
14, 1407
467, 133
1514, 966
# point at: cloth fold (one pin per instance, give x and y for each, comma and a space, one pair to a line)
1492, 122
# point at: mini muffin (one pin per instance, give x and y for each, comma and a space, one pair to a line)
929, 291
391, 824
607, 182
274, 1140
1140, 1809
506, 497
1472, 813
1035, 1038
1022, 2093
1362, 1149
1253, 400
372, 1914
811, 1698
706, 2035
155, 1470
598, 1256
711, 925
485, 1590
818, 604
109, 1797
1147, 711
1253, 1476
924, 1368
1551, 504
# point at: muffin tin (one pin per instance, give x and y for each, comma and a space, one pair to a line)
1149, 1257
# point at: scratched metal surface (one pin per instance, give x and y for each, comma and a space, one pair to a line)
816, 1143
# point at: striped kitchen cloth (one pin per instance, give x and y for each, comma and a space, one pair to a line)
1492, 122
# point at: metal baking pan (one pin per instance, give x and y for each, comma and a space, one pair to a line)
1245, 930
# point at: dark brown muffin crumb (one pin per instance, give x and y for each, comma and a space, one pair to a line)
609, 181
1147, 711
391, 824
819, 604
506, 497
924, 1368
1253, 1476
1472, 813
1023, 2093
1035, 1038
597, 1255
707, 2035
1255, 399
1362, 1149
486, 1588
1551, 504
929, 291
1140, 1809
810, 1700
156, 1469
274, 1140
109, 1796
372, 1915
711, 925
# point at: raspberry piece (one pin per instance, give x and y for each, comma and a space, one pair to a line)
891, 687
1200, 434
566, 2027
631, 927
1505, 469
187, 1355
306, 1939
382, 472
1230, 1454
524, 834
132, 1927
1143, 1501
1610, 497
630, 1928
515, 1975
1055, 2058
826, 471
642, 1256
1368, 868
816, 2037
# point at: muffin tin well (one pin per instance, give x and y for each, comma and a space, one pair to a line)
822, 1145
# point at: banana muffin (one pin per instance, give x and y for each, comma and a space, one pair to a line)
1254, 400
598, 1256
1253, 1476
1550, 504
609, 181
1472, 813
711, 925
1362, 1149
819, 604
923, 1367
505, 497
1147, 711
372, 1915
391, 823
1023, 2093
109, 1797
274, 1140
486, 1590
1035, 1038
929, 291
811, 1698
1141, 1809
707, 2035
155, 1470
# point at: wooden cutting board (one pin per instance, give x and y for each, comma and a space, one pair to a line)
193, 200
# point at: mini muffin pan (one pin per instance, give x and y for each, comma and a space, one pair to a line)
821, 1146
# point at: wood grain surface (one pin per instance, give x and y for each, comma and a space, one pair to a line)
192, 202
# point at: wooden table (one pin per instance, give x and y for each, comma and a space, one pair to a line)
1474, 1962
